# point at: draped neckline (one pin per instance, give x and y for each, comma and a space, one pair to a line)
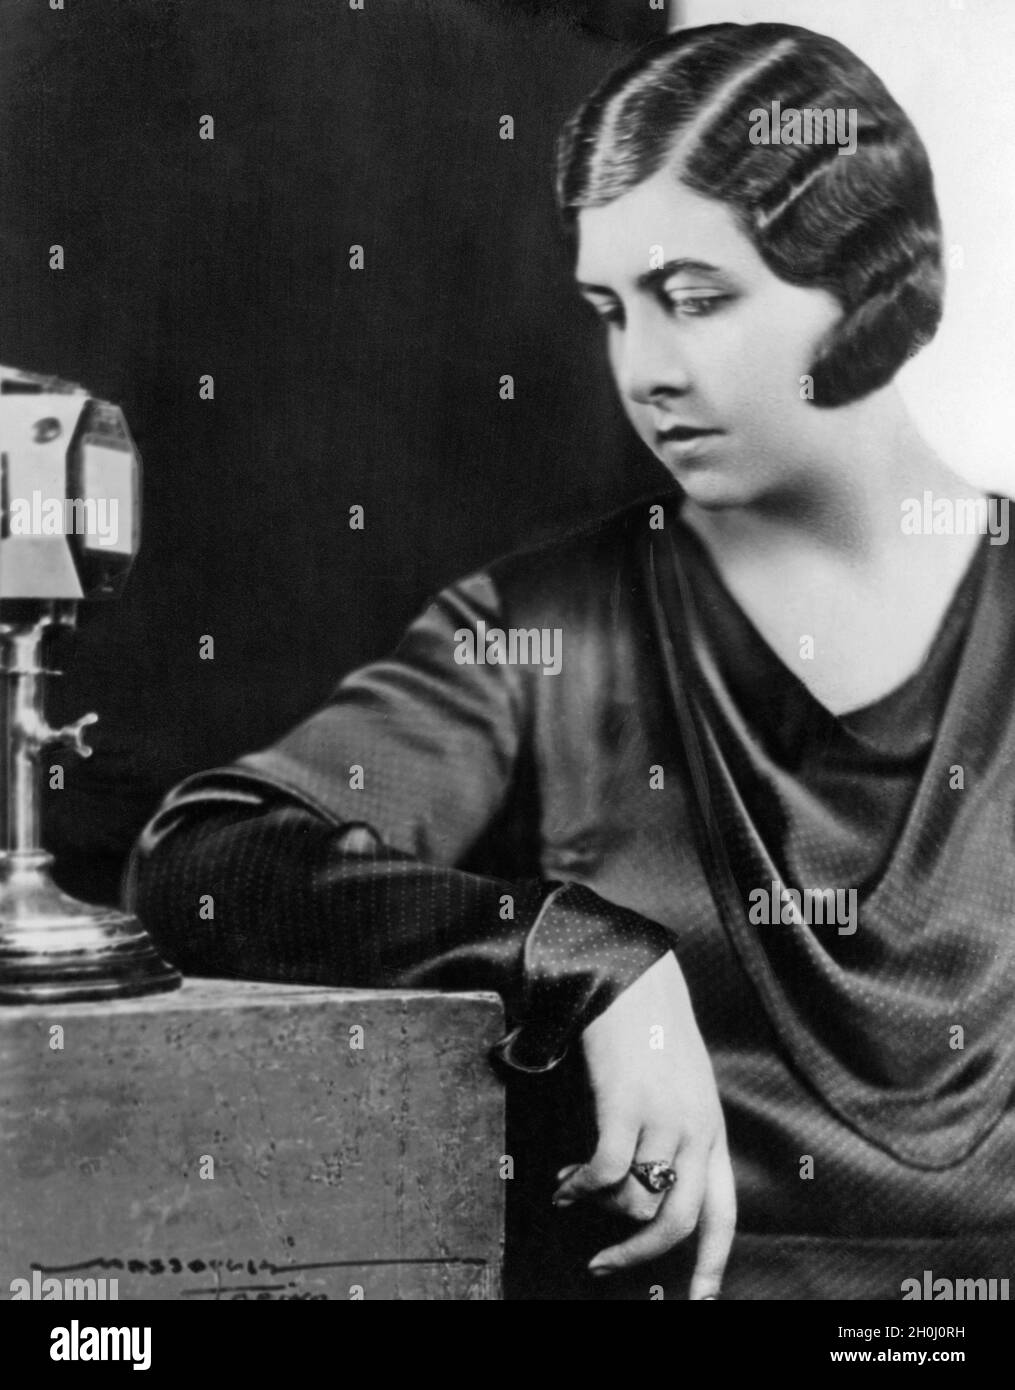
904, 717
865, 1016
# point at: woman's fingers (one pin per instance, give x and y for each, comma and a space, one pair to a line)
633, 1199
718, 1224
606, 1169
611, 1184
676, 1216
686, 1196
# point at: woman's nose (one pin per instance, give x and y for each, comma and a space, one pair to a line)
648, 357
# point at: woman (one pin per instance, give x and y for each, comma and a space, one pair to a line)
746, 855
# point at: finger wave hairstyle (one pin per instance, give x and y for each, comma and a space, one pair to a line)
863, 226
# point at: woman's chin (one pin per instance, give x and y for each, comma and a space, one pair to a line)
713, 489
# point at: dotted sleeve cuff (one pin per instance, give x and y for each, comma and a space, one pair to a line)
580, 954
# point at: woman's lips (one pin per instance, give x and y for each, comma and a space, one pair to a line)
680, 433
684, 442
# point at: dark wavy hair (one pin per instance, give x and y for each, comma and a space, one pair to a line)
863, 226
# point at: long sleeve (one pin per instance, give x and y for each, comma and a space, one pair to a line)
333, 857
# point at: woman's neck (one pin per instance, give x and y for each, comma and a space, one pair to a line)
847, 499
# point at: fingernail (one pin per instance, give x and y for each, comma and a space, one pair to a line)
600, 1269
563, 1201
709, 1298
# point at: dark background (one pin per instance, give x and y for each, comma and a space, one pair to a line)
332, 386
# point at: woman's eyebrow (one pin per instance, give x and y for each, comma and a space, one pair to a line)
658, 275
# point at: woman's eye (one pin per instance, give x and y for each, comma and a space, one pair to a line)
609, 313
696, 306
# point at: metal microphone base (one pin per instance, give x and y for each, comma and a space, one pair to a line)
55, 949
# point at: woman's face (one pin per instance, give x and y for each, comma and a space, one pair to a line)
706, 344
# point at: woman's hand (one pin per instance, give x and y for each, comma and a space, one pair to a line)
656, 1099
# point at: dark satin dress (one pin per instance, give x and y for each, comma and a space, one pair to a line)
631, 804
